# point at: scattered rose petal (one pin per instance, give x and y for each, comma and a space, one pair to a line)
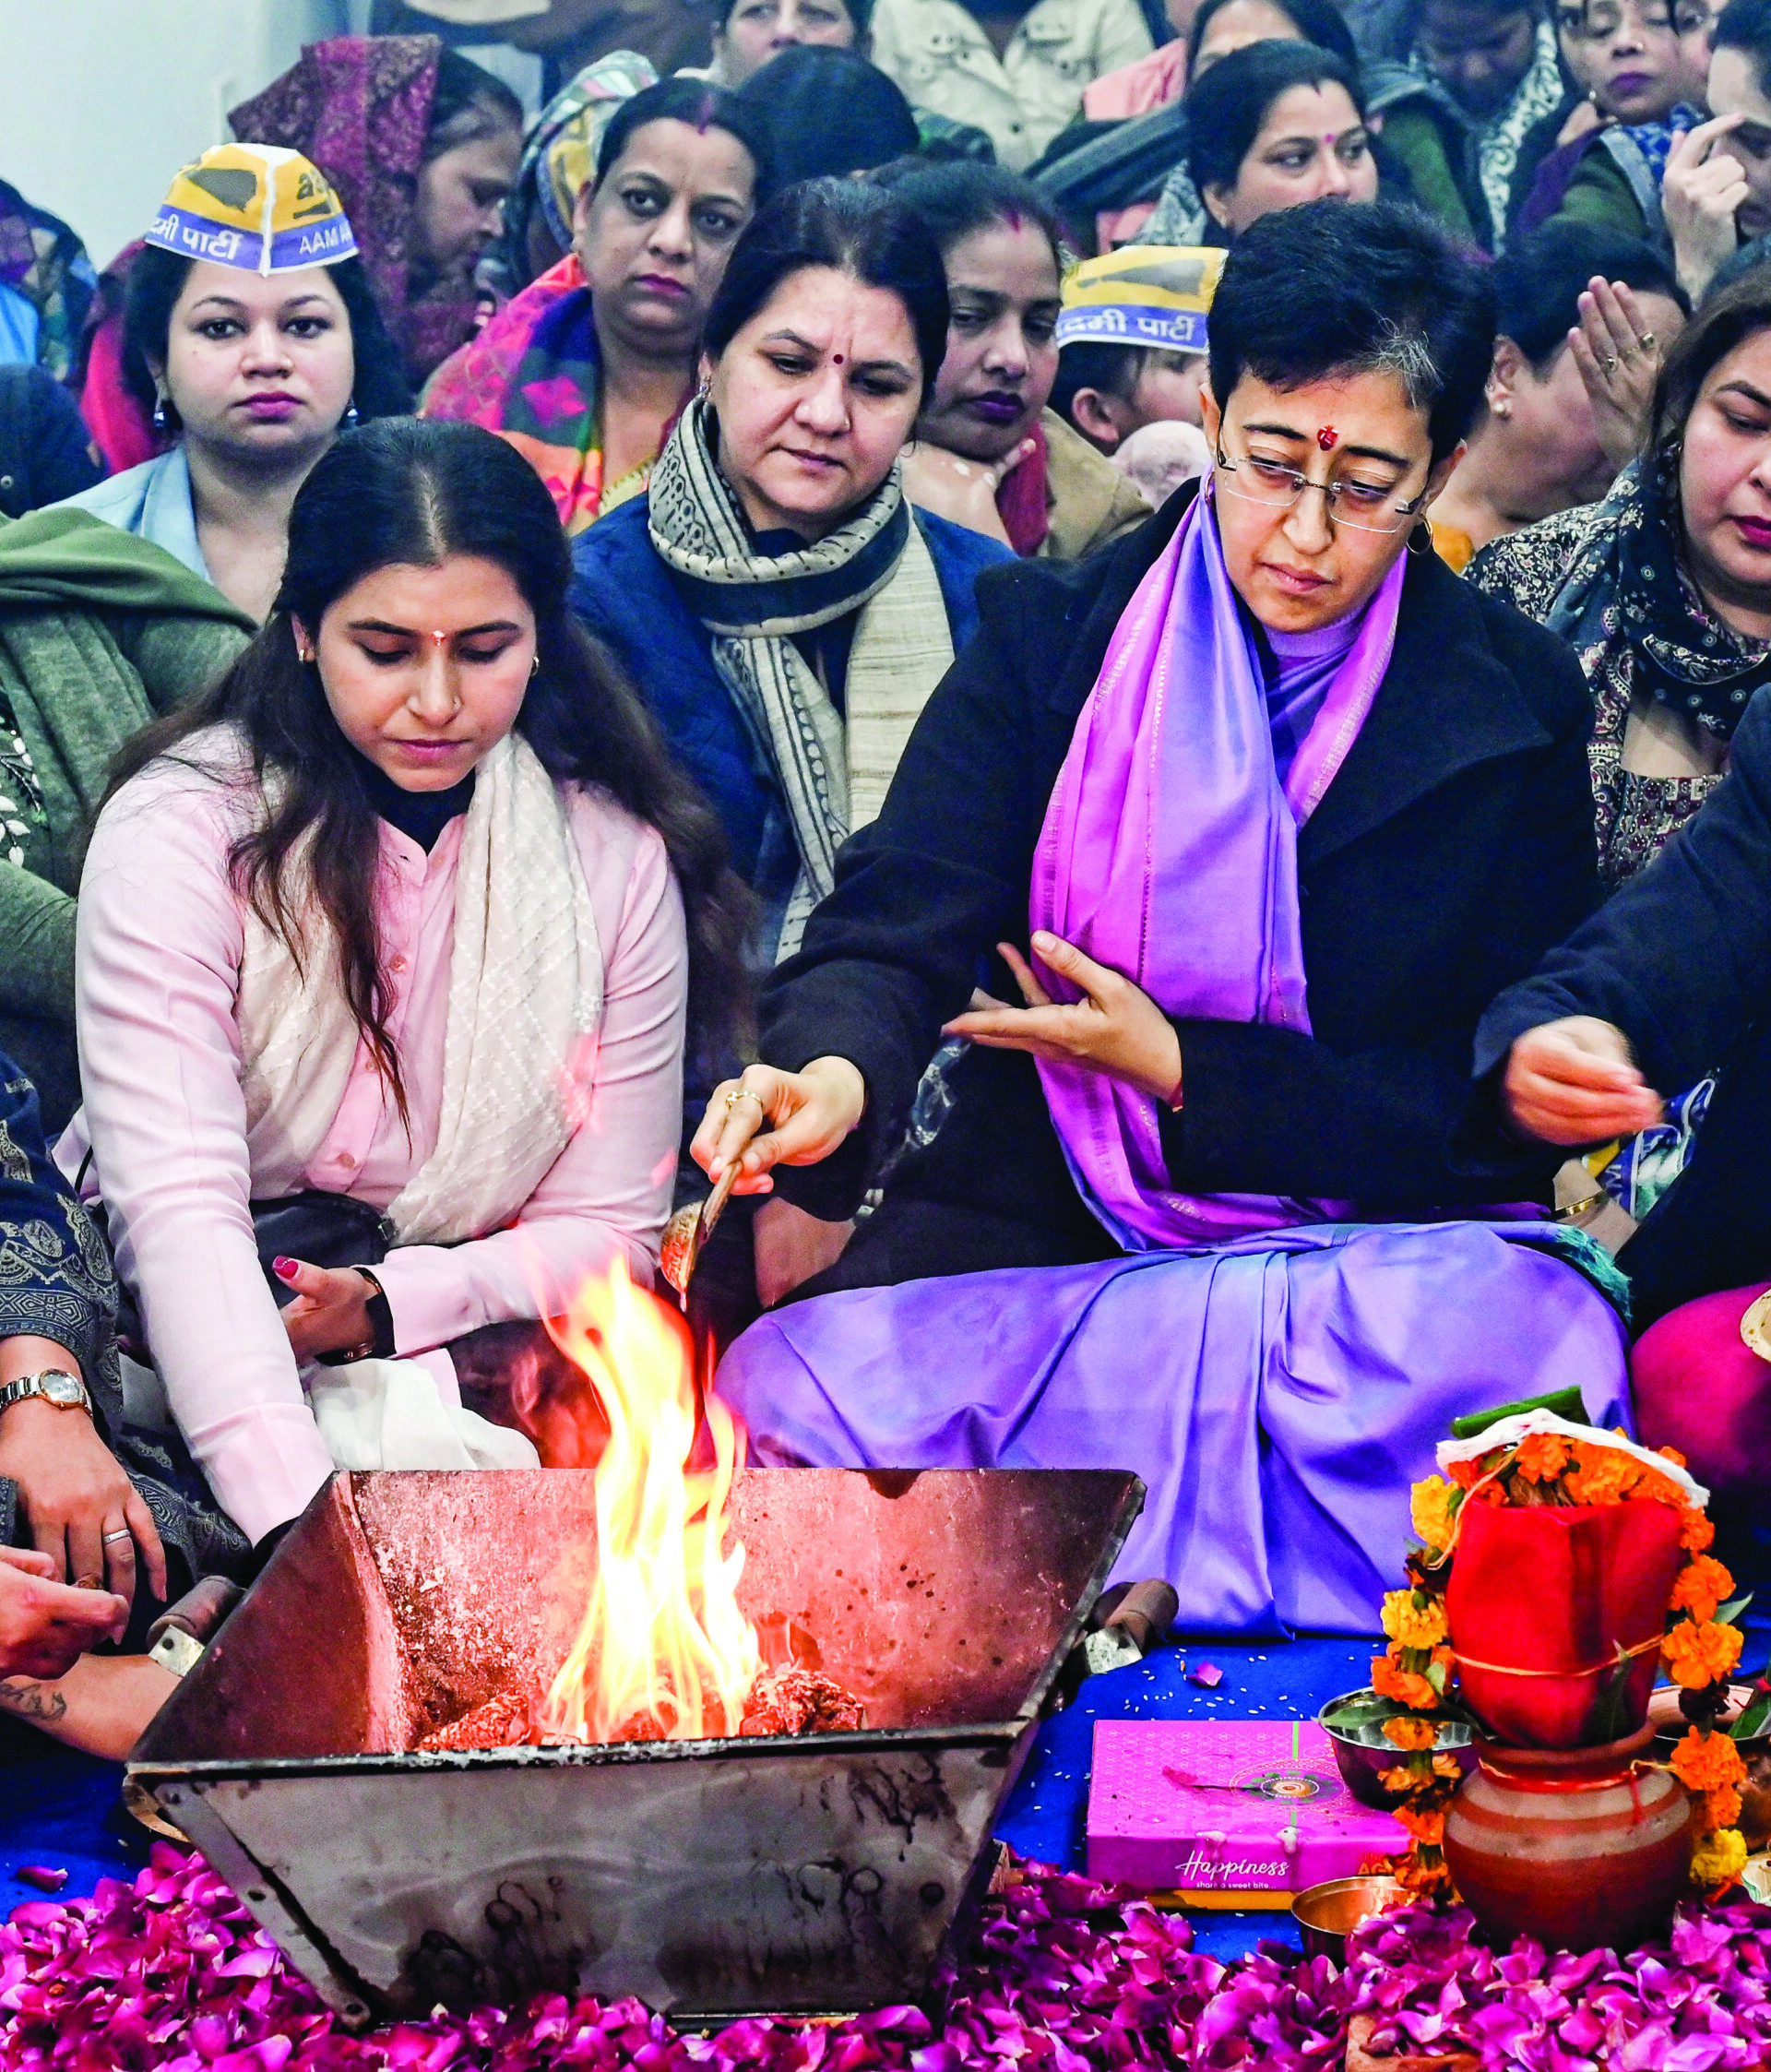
170, 1974
42, 1875
1206, 1675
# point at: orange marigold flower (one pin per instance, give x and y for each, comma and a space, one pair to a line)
1466, 1473
1721, 1808
1542, 1455
1705, 1762
1701, 1585
1428, 1828
1400, 1778
1430, 1508
1696, 1532
1449, 1766
1672, 1454
1411, 1624
1411, 1735
1602, 1475
1404, 1686
1699, 1655
1659, 1489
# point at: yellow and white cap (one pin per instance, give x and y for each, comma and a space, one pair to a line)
256, 207
1141, 294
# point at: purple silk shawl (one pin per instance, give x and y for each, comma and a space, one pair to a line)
1168, 854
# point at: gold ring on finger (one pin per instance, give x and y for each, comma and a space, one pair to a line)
1608, 361
125, 1534
1648, 341
746, 1094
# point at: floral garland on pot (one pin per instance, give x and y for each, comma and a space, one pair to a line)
1536, 1459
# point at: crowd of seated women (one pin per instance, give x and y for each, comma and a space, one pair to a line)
1175, 984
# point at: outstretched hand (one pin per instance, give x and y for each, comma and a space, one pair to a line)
1115, 1026
1574, 1082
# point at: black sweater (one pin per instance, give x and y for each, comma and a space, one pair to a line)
1454, 847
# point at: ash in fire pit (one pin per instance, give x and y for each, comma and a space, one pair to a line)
782, 1701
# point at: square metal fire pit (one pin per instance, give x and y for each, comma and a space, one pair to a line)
718, 1877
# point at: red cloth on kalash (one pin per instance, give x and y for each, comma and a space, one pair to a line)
1552, 1590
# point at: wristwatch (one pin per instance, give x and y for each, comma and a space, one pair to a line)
56, 1385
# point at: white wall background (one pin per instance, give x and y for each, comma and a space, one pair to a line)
103, 100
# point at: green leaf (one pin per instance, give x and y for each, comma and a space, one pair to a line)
1726, 1614
1561, 1402
1752, 1721
1613, 1721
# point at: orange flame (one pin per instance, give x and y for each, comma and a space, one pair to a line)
664, 1653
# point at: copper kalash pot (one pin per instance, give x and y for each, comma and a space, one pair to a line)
1575, 1847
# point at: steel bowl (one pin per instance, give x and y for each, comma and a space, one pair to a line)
1362, 1761
1326, 1914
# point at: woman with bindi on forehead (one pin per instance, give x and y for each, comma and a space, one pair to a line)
1243, 820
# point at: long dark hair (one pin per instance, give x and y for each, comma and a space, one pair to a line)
416, 492
156, 281
852, 228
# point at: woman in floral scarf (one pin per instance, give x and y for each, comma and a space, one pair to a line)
423, 148
588, 369
1662, 594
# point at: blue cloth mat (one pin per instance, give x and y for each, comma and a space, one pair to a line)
61, 1809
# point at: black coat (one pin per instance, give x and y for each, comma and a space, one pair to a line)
1679, 959
1454, 847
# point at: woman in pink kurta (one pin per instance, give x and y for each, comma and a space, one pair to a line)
398, 912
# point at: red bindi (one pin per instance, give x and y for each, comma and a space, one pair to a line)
1326, 436
838, 358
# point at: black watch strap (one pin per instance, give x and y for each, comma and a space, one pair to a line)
381, 1317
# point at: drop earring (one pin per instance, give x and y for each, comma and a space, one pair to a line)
161, 422
351, 417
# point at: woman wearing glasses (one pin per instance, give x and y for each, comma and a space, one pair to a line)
1254, 816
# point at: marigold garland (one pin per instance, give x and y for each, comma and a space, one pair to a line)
1418, 1670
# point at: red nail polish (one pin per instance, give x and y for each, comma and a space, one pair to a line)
284, 1269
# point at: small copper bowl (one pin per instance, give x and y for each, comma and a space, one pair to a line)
1361, 1763
1327, 1914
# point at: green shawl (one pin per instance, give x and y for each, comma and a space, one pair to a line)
100, 632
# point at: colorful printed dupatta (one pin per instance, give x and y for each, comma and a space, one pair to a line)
1170, 854
532, 377
360, 107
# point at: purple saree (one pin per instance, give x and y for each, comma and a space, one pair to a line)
1277, 1373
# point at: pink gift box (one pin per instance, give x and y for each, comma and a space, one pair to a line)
1226, 1805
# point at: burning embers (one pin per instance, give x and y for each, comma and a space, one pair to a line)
664, 1653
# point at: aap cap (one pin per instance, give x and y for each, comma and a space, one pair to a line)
1143, 294
256, 207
